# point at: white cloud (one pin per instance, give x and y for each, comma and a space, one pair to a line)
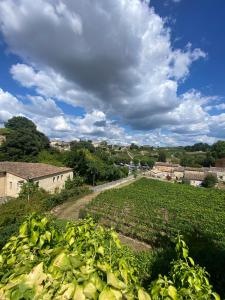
114, 59
114, 56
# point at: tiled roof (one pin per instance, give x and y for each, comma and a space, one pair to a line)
216, 169
194, 169
166, 164
220, 162
197, 175
194, 175
178, 169
31, 170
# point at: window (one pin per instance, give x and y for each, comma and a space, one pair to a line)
19, 184
53, 179
57, 178
10, 185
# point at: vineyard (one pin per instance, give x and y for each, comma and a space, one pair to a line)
151, 210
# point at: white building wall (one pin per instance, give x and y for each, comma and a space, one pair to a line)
13, 185
196, 182
2, 185
54, 182
10, 185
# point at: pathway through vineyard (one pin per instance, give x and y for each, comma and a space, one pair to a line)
70, 211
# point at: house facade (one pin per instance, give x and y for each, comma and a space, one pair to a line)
194, 175
195, 178
2, 139
14, 174
60, 145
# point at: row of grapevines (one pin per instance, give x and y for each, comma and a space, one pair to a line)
163, 207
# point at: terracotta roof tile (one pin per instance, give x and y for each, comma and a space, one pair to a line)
31, 170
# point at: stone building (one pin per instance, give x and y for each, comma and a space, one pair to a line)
48, 177
2, 139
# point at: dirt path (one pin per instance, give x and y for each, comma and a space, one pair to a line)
70, 209
134, 244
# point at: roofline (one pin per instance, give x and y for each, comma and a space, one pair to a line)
38, 177
57, 173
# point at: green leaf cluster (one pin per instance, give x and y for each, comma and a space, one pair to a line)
85, 261
186, 280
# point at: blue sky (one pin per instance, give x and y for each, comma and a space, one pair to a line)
202, 23
119, 70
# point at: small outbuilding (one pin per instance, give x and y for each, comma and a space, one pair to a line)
195, 178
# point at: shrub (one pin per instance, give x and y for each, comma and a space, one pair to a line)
209, 181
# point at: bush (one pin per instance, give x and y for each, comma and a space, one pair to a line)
38, 200
209, 181
75, 182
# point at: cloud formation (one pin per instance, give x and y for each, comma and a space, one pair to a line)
113, 58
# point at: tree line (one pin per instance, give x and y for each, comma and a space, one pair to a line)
25, 143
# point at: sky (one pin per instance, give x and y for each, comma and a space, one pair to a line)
148, 72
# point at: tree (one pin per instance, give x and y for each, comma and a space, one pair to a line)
145, 161
16, 123
135, 161
78, 145
209, 181
24, 141
209, 161
198, 147
162, 156
134, 147
218, 149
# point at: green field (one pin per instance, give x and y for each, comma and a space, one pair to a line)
155, 211
151, 209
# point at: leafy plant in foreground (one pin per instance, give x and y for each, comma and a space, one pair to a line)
87, 261
185, 281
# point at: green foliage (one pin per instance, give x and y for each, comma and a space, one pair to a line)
152, 206
134, 147
147, 161
19, 122
204, 147
4, 131
209, 181
162, 156
92, 168
218, 149
186, 280
209, 160
14, 211
86, 261
136, 161
134, 173
78, 145
28, 190
121, 158
75, 182
24, 142
50, 157
155, 211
